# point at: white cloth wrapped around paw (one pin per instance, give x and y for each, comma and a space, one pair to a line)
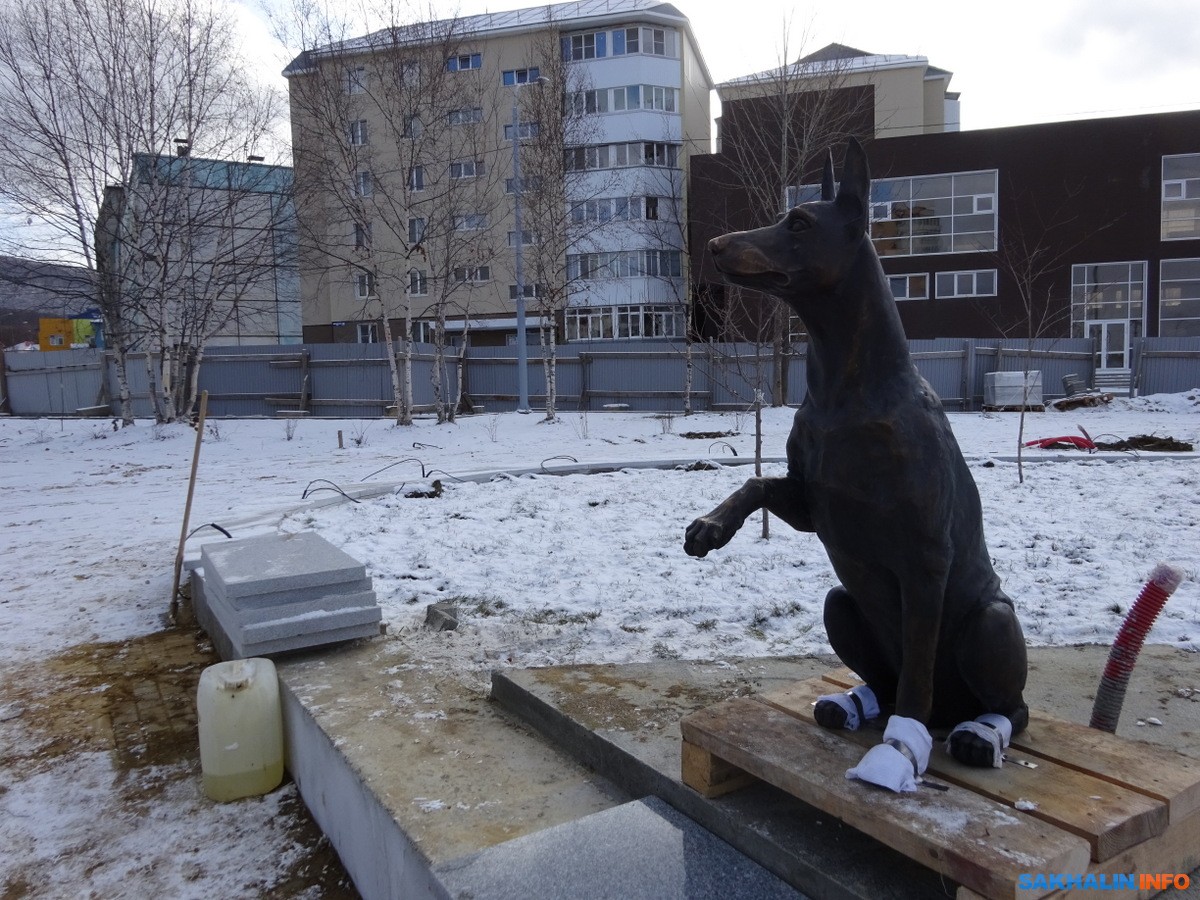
993, 728
888, 765
867, 703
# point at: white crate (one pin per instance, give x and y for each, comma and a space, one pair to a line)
1006, 389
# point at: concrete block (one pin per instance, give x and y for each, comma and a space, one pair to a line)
295, 595
644, 849
252, 615
276, 562
242, 650
441, 616
315, 623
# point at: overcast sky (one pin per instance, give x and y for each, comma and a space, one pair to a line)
1014, 63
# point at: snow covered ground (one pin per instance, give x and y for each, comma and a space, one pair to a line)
545, 569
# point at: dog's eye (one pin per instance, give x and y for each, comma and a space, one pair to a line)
798, 224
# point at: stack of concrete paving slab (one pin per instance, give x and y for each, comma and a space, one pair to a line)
274, 593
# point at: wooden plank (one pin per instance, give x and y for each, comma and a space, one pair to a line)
1158, 772
709, 775
1111, 818
967, 838
1176, 851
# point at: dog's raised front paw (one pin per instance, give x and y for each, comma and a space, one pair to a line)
703, 535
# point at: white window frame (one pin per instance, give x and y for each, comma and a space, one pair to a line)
526, 75
525, 130
464, 62
356, 80
416, 230
530, 237
463, 169
364, 184
416, 179
470, 222
368, 333
472, 274
359, 133
959, 277
365, 287
1188, 199
1164, 280
466, 115
908, 279
362, 236
418, 283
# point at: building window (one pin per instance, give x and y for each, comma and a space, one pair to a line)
463, 62
362, 237
525, 130
527, 238
416, 231
1181, 197
363, 184
472, 274
466, 168
620, 156
1107, 291
645, 96
589, 324
654, 41
649, 321
416, 178
909, 287
356, 80
1179, 298
531, 291
928, 214
468, 115
364, 285
469, 222
585, 46
624, 264
651, 208
528, 183
411, 128
368, 333
520, 76
582, 103
418, 283
951, 285
358, 133
408, 73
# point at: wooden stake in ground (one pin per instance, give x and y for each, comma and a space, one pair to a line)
187, 509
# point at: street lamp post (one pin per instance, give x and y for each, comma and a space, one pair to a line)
522, 346
518, 189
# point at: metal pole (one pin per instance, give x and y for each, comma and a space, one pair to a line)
522, 345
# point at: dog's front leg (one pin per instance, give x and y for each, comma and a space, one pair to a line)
783, 497
900, 761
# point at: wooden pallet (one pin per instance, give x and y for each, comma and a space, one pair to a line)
1100, 804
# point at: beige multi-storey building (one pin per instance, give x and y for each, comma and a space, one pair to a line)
407, 184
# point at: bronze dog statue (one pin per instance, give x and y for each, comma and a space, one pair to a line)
875, 471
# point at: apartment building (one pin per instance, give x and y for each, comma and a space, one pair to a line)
1087, 229
418, 147
202, 252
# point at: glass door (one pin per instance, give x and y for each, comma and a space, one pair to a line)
1111, 339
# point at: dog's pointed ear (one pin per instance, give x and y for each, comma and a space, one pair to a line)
827, 185
855, 191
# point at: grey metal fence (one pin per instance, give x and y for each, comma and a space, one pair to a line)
354, 380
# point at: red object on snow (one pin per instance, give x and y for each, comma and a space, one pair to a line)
1046, 443
1128, 644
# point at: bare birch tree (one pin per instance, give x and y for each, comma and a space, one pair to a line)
87, 88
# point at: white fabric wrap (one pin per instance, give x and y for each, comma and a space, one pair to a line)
887, 766
998, 734
866, 697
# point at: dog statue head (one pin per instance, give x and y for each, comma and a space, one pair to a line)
808, 251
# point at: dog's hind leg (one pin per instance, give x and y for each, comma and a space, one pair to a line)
993, 664
853, 640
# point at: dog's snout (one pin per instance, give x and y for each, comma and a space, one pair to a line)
717, 245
